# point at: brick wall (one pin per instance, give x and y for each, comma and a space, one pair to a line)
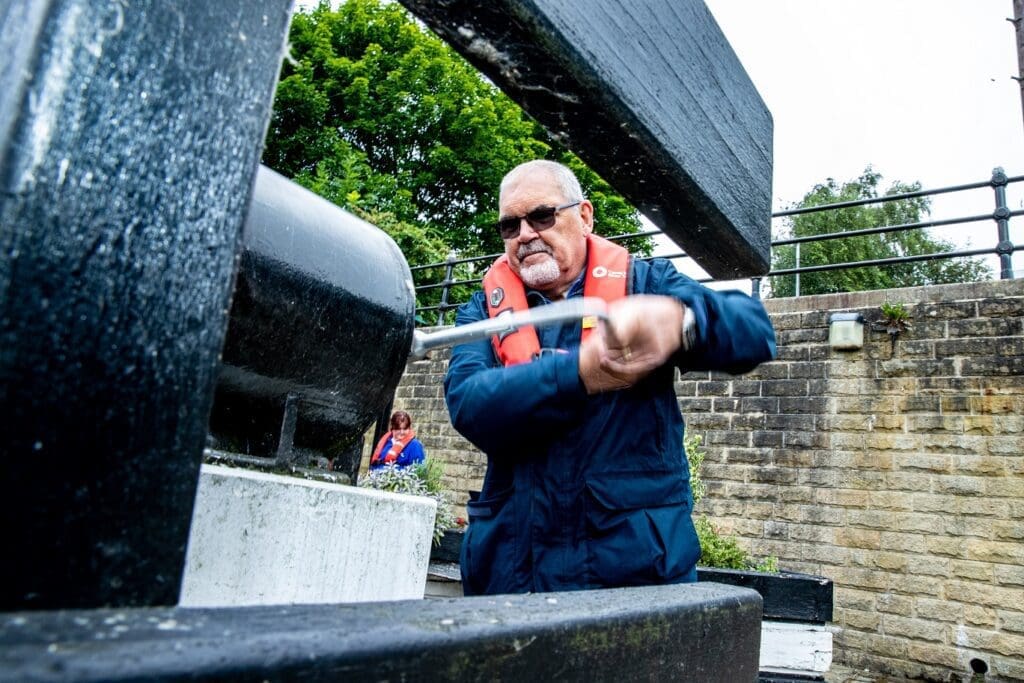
896, 471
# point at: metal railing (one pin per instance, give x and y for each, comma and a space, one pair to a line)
1004, 247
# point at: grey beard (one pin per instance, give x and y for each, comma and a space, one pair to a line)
540, 274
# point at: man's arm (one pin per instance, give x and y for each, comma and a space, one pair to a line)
730, 332
497, 407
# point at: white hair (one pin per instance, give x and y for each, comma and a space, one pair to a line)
564, 178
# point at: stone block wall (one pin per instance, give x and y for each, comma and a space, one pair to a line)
896, 470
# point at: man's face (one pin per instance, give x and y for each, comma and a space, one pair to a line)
548, 261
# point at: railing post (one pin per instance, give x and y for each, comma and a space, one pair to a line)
755, 288
1002, 218
796, 288
449, 270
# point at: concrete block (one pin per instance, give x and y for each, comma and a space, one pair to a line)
267, 539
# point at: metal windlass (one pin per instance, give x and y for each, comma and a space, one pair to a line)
558, 312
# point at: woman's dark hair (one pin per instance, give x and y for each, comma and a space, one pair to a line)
399, 418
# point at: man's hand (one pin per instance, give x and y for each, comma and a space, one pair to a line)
643, 332
595, 378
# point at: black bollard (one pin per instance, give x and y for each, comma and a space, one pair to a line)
321, 327
131, 135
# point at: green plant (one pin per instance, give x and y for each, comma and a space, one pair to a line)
895, 319
422, 479
859, 247
695, 457
430, 472
716, 550
375, 112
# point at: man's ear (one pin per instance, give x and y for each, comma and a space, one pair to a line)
587, 214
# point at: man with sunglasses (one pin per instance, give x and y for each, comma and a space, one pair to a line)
587, 484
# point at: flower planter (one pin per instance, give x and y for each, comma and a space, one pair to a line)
444, 579
787, 596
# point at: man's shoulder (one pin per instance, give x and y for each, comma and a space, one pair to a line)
649, 274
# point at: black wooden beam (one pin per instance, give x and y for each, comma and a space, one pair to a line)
695, 632
130, 135
788, 596
650, 94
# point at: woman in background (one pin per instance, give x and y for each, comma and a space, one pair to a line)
399, 446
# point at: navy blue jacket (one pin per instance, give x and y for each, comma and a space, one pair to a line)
588, 491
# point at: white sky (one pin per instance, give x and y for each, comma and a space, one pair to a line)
920, 89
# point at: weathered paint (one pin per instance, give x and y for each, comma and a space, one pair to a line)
128, 156
707, 633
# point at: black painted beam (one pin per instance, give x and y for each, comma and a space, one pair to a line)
696, 632
131, 134
650, 94
789, 596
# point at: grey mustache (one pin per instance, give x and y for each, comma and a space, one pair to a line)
533, 248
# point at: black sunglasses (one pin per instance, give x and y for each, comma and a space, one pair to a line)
539, 219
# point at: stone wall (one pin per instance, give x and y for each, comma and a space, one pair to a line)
896, 470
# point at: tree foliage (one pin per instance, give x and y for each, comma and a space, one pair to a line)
381, 117
866, 247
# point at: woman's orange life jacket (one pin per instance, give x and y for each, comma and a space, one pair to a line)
396, 448
607, 277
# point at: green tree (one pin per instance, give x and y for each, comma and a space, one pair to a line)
381, 117
866, 247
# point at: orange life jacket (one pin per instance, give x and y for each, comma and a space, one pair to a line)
396, 448
608, 275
